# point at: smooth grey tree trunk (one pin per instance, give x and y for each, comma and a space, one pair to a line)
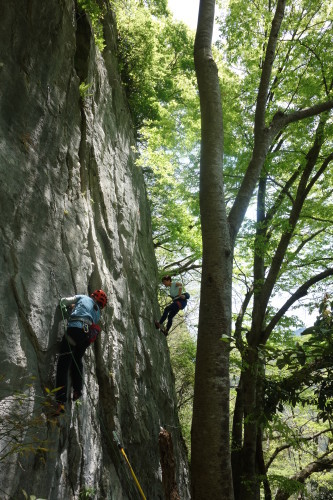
211, 467
211, 463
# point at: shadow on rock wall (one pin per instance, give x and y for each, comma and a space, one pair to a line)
75, 218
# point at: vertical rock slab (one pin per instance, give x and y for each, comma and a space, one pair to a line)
74, 217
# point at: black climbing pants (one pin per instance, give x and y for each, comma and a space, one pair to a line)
71, 357
171, 311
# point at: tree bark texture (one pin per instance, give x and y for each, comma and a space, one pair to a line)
211, 467
259, 334
211, 463
168, 466
237, 439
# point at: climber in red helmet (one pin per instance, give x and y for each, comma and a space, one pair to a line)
82, 330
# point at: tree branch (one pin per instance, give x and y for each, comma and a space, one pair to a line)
266, 290
321, 170
267, 67
289, 445
306, 240
188, 260
300, 292
239, 320
184, 268
317, 466
262, 136
280, 119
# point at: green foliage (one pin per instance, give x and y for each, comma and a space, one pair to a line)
301, 75
87, 493
156, 7
83, 89
287, 485
154, 55
298, 401
296, 370
96, 12
157, 68
301, 70
183, 351
321, 490
307, 364
182, 354
295, 439
22, 416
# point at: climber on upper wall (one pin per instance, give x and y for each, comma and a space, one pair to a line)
82, 330
179, 301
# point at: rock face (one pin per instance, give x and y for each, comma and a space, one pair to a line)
74, 217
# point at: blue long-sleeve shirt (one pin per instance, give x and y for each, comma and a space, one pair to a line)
85, 308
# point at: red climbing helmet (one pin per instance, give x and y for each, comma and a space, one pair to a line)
100, 298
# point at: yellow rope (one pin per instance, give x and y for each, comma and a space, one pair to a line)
129, 465
132, 472
115, 435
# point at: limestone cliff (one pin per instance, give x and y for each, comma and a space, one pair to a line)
74, 217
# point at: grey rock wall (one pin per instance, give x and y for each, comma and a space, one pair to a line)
74, 217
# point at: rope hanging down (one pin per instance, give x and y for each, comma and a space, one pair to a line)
129, 465
93, 405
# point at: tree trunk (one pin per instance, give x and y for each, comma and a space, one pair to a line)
237, 439
248, 474
168, 465
211, 467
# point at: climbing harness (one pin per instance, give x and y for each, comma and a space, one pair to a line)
129, 465
63, 313
85, 321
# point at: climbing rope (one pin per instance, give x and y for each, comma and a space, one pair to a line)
128, 463
53, 278
97, 412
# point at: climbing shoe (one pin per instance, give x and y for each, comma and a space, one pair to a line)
157, 325
164, 330
76, 395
